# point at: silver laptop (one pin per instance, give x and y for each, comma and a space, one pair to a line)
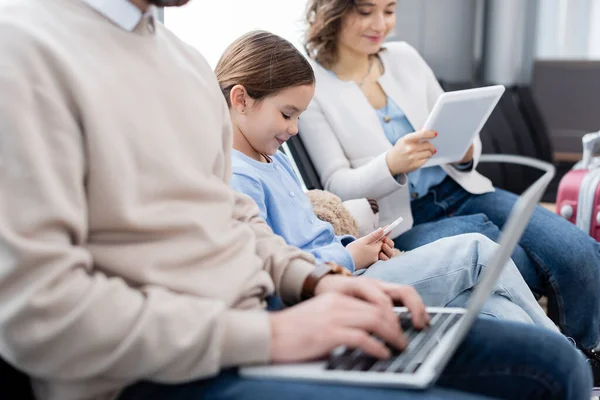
428, 351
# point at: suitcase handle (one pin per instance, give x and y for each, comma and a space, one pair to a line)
591, 142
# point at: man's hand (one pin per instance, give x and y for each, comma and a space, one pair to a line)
376, 292
345, 311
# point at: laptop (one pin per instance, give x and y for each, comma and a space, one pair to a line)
428, 351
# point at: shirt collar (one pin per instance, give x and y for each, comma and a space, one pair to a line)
122, 12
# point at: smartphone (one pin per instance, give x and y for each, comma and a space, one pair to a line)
391, 227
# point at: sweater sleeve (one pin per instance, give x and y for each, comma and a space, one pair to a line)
288, 266
61, 317
336, 252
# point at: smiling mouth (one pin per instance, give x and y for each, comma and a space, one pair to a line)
280, 141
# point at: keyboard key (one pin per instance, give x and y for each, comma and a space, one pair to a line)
420, 345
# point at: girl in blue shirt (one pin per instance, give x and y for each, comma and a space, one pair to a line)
266, 89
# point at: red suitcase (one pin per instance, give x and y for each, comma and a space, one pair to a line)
578, 198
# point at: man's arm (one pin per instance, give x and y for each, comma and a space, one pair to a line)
60, 317
287, 265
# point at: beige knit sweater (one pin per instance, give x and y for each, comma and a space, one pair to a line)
124, 254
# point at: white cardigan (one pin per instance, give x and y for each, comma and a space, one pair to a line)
347, 144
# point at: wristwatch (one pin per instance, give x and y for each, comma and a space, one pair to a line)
320, 271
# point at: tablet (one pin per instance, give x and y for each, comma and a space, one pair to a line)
458, 117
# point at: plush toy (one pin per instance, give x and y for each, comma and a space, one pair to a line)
328, 207
343, 216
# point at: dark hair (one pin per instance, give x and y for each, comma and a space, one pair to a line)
324, 18
264, 64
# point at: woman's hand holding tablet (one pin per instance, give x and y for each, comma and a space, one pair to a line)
411, 152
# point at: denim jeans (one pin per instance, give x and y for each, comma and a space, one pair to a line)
556, 258
445, 272
498, 359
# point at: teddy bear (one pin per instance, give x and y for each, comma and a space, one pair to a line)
354, 217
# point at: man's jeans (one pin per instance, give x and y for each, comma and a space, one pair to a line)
555, 258
499, 359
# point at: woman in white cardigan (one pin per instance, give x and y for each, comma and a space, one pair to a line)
360, 133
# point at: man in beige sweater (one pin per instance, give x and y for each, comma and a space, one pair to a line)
126, 257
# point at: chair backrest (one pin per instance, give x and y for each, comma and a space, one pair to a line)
15, 382
567, 93
535, 122
303, 162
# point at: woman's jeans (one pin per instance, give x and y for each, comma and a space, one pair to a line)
445, 273
555, 258
498, 359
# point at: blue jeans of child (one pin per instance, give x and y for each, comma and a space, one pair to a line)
555, 258
498, 359
445, 273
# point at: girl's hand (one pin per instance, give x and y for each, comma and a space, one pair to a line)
365, 251
387, 249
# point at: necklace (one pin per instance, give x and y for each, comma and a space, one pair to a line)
362, 81
386, 112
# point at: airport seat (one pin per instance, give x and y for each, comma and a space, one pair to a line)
567, 93
303, 162
15, 382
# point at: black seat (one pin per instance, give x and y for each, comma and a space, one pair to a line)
14, 382
303, 162
525, 141
535, 122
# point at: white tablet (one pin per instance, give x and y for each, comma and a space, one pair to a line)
458, 117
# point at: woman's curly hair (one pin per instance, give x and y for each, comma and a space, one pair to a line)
324, 18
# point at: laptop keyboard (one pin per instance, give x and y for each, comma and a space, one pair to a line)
420, 345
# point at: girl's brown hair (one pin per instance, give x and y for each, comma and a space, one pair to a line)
264, 64
324, 18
